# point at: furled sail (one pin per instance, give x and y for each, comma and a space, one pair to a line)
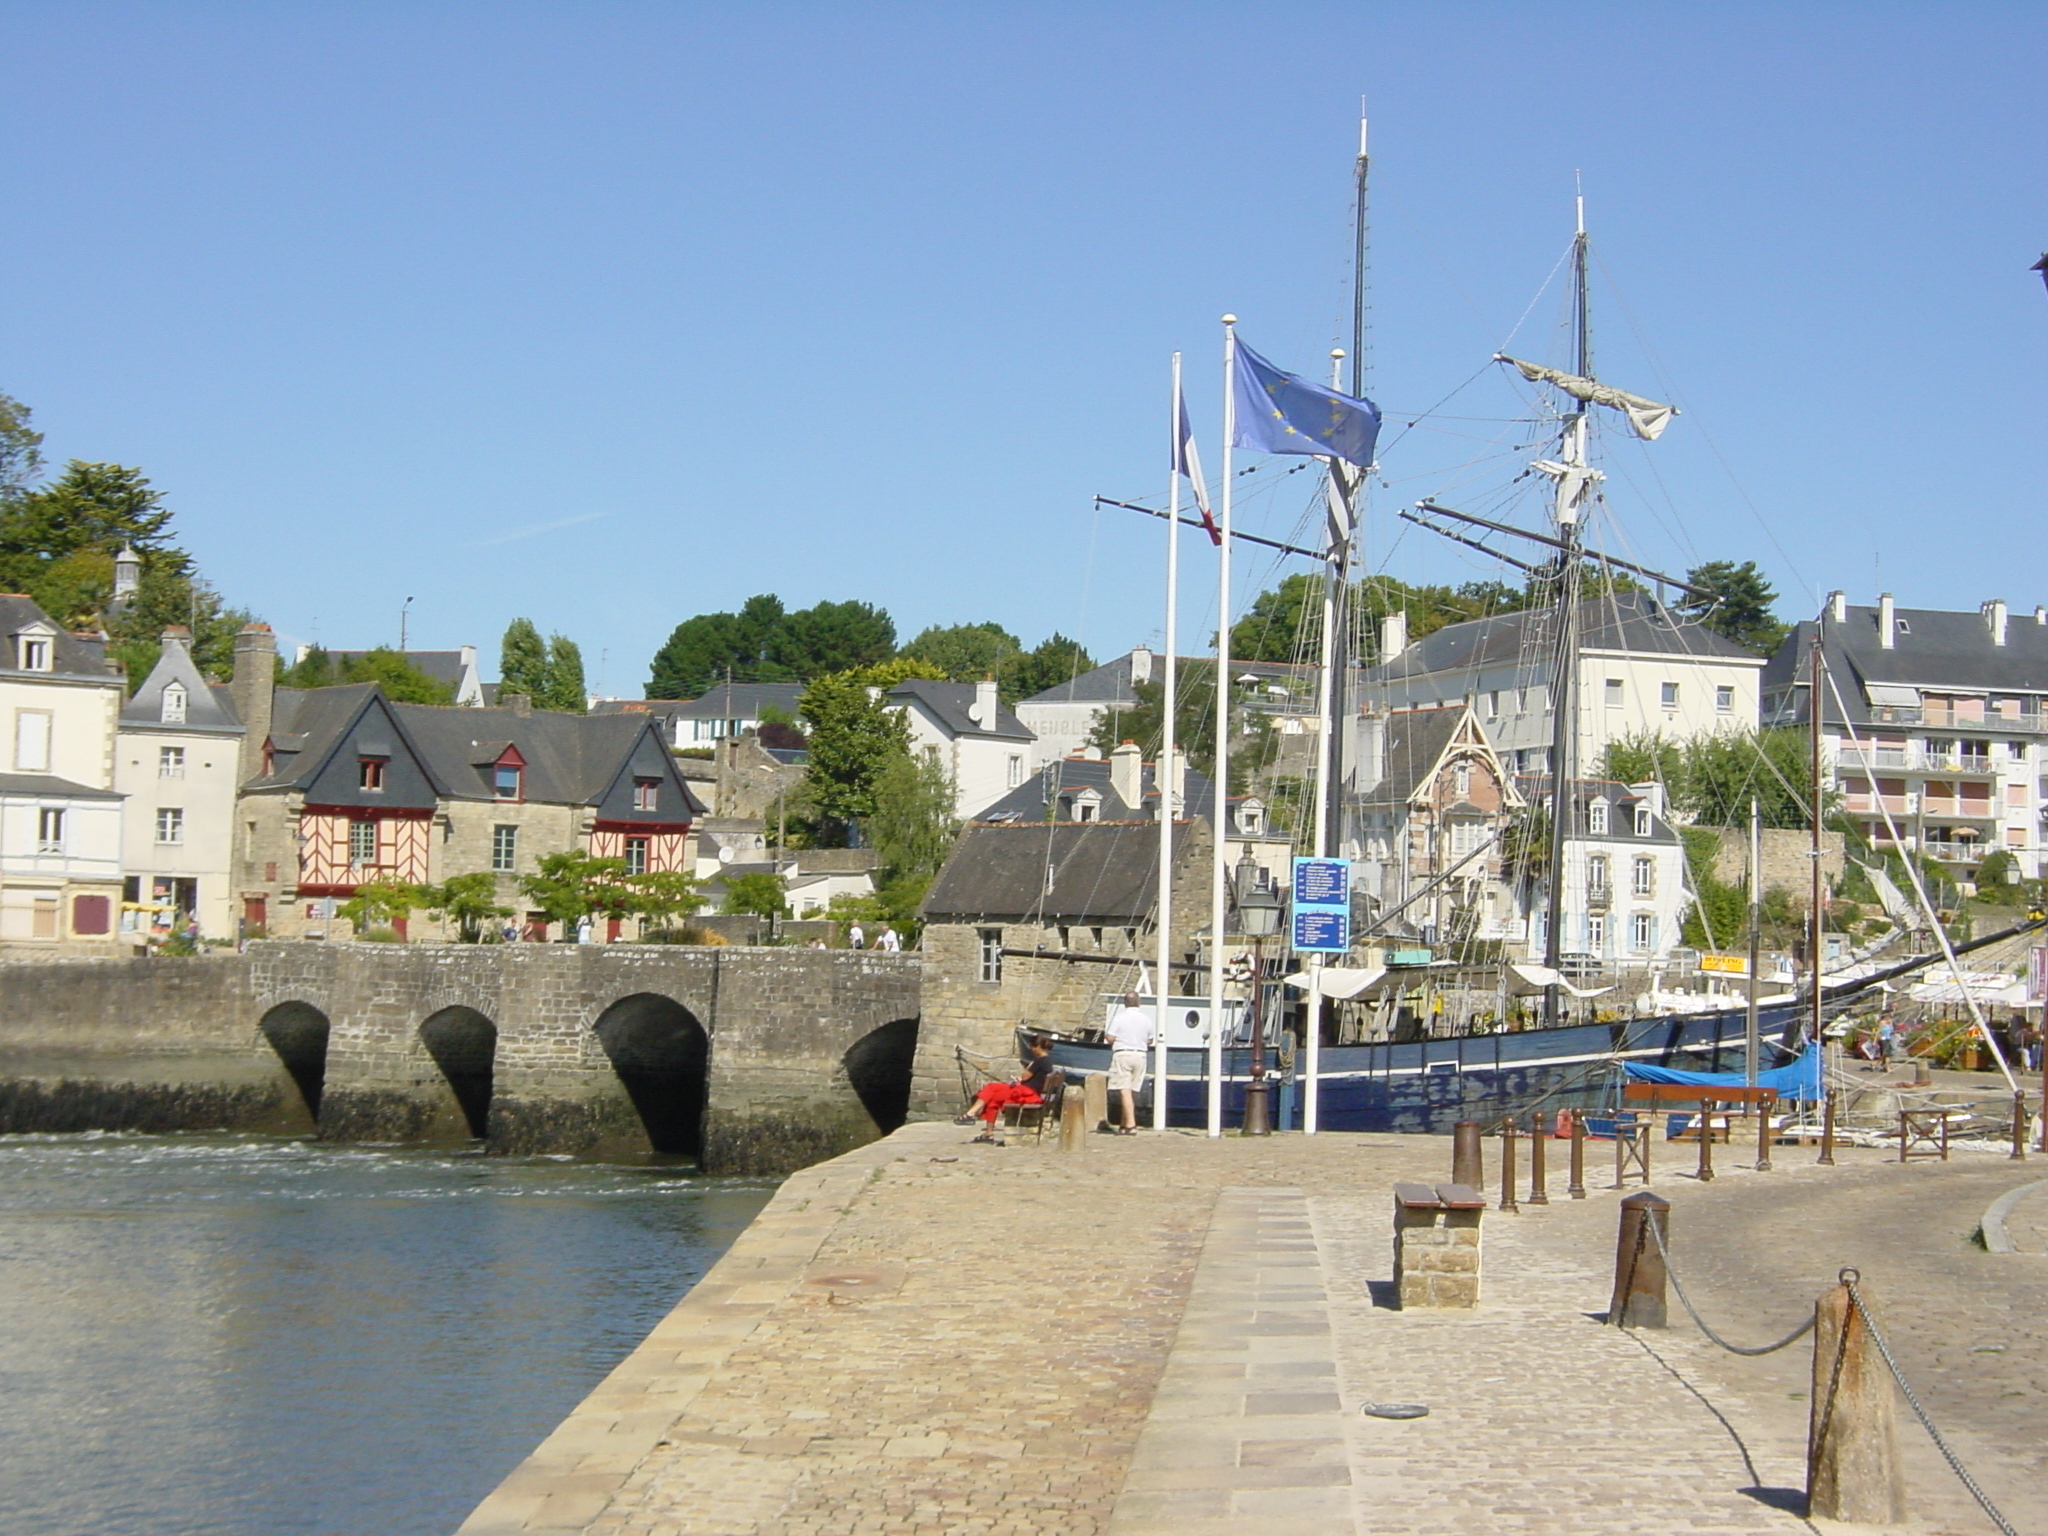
1648, 417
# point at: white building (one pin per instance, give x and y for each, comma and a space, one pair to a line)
1625, 891
1643, 670
60, 814
176, 751
984, 746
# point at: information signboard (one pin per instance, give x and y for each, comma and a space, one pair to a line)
1322, 906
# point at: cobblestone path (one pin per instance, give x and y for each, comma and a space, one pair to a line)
1172, 1334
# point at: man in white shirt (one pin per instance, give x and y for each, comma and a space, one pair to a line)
1130, 1037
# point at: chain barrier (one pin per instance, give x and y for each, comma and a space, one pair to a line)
1849, 1277
1671, 1274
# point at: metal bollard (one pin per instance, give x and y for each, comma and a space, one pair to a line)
1827, 1130
1577, 1187
1763, 1138
1468, 1163
2019, 1127
1638, 1300
1507, 1165
1706, 1128
1539, 1194
1852, 1443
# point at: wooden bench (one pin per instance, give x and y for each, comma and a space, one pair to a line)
1047, 1107
1704, 1098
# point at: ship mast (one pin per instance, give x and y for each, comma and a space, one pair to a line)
1573, 480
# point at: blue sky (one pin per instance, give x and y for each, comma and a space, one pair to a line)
610, 314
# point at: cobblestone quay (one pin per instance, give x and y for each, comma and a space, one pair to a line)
1168, 1334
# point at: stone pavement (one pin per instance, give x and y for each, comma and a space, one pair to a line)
1168, 1333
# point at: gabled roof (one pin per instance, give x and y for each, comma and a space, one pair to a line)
1535, 788
736, 701
1047, 794
1931, 648
1414, 744
49, 786
1633, 622
70, 655
948, 703
207, 708
450, 667
1104, 872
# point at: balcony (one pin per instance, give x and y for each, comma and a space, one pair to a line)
1599, 898
1917, 760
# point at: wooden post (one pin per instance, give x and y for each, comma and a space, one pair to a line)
1507, 1165
1706, 1130
1763, 1137
1827, 1129
1576, 1188
1468, 1162
1638, 1300
1074, 1119
1539, 1194
1852, 1442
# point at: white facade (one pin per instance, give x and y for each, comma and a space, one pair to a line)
984, 747
1625, 895
175, 758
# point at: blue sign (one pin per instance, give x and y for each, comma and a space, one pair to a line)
1322, 930
1322, 882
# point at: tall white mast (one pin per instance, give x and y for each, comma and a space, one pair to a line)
1220, 814
1167, 780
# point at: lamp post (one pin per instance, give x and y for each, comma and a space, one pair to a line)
1258, 918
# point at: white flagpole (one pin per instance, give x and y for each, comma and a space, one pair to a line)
1163, 775
1220, 813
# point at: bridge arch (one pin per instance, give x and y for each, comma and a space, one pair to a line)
298, 1033
878, 1068
662, 1055
464, 1045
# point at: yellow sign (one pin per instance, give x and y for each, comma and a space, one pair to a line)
1735, 964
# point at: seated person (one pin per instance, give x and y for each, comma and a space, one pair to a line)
1029, 1087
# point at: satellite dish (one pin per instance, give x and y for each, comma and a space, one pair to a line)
725, 855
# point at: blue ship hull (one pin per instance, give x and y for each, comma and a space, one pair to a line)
1428, 1085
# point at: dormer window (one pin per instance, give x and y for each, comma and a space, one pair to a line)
174, 704
32, 652
1642, 821
647, 794
1251, 818
370, 774
1461, 779
1596, 817
508, 781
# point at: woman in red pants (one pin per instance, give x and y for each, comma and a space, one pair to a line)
1029, 1088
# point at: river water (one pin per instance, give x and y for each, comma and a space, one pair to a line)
235, 1335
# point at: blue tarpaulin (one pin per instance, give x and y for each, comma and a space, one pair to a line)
1797, 1079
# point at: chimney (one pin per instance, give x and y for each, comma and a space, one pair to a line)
1127, 774
1173, 787
521, 704
1652, 795
1393, 636
1994, 619
250, 691
1838, 607
2041, 615
1887, 621
1141, 664
985, 704
1371, 756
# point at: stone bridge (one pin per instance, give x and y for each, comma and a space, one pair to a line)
751, 1060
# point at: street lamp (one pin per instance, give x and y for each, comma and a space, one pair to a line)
1258, 918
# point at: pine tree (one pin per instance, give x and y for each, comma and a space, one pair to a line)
522, 661
563, 685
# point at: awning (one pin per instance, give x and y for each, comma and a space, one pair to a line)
1342, 982
1526, 980
1893, 695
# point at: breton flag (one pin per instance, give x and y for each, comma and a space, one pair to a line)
1281, 413
1188, 462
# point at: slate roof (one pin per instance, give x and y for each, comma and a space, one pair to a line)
1111, 682
570, 759
48, 784
736, 701
1535, 789
1034, 799
1634, 622
1415, 742
1938, 649
207, 706
1105, 872
70, 655
949, 703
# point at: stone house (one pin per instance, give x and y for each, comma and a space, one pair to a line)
1038, 924
177, 755
60, 813
345, 786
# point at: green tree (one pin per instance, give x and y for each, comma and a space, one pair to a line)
913, 825
402, 682
522, 661
1645, 757
853, 735
315, 669
1054, 660
833, 637
571, 886
659, 896
966, 653
21, 451
377, 902
1735, 601
693, 658
471, 901
758, 894
564, 688
88, 506
1723, 772
1194, 718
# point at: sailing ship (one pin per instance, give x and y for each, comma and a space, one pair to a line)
1205, 1075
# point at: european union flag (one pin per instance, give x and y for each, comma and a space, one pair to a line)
1280, 413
